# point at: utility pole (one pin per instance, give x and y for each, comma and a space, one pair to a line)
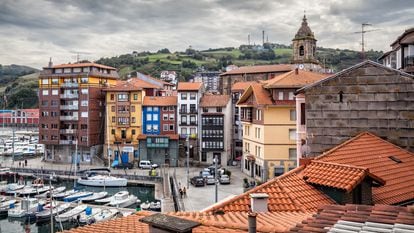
215, 178
187, 141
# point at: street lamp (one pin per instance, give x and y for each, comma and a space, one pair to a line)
215, 178
187, 141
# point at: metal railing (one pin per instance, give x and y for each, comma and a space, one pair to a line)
69, 96
67, 142
69, 85
68, 131
69, 118
69, 107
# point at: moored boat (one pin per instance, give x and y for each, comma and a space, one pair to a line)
88, 216
71, 214
123, 199
77, 196
28, 206
105, 214
45, 214
94, 197
101, 178
64, 194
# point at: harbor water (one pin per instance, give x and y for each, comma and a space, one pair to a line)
11, 225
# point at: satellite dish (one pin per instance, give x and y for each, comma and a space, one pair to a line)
301, 66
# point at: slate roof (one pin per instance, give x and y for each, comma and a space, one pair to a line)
294, 79
260, 69
287, 193
188, 86
359, 218
372, 152
214, 101
340, 176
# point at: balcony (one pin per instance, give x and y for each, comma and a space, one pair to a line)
69, 85
183, 110
68, 131
69, 118
193, 122
67, 142
69, 96
69, 107
183, 123
193, 110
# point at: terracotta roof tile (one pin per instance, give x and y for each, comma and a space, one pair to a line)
260, 69
288, 192
188, 86
261, 96
214, 100
332, 217
372, 152
294, 80
241, 86
160, 101
83, 65
339, 176
132, 84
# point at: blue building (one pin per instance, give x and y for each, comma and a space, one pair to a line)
151, 120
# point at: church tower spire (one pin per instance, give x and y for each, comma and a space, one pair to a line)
304, 46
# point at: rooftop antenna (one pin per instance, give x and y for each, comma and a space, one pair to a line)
263, 34
267, 38
363, 31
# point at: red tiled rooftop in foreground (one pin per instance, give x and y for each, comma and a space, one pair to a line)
214, 101
357, 216
288, 192
369, 151
345, 177
188, 86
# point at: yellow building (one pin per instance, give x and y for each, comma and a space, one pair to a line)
123, 120
268, 117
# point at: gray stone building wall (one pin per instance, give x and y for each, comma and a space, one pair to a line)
374, 98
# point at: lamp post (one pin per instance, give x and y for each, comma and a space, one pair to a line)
215, 178
51, 204
187, 141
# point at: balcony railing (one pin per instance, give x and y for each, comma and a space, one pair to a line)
69, 107
69, 96
193, 110
408, 61
192, 136
68, 131
69, 118
183, 110
183, 123
193, 122
69, 85
67, 142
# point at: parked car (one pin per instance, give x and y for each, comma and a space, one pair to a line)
204, 174
224, 179
210, 180
197, 181
124, 166
211, 168
146, 164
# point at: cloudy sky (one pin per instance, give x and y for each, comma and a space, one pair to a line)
32, 31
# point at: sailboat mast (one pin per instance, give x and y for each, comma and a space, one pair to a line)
76, 160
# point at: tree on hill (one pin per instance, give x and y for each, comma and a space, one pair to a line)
164, 50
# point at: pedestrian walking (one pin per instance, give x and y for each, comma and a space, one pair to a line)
185, 192
181, 193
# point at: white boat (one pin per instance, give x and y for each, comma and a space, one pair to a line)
94, 197
104, 200
145, 206
14, 188
2, 198
54, 191
45, 214
123, 199
155, 206
77, 196
64, 194
3, 186
101, 178
105, 214
88, 216
29, 190
8, 203
71, 214
28, 206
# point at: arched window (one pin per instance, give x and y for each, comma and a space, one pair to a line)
301, 50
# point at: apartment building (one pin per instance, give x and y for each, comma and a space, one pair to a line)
268, 116
72, 112
189, 95
210, 79
215, 129
159, 138
123, 121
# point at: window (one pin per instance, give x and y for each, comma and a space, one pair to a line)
165, 108
55, 81
123, 120
85, 92
54, 103
149, 117
132, 108
45, 92
184, 131
155, 109
292, 153
112, 97
84, 114
123, 134
84, 126
135, 96
171, 108
44, 103
58, 71
341, 96
149, 128
149, 109
54, 126
113, 131
123, 97
45, 81
192, 96
133, 119
292, 134
112, 108
113, 119
258, 114
193, 108
302, 114
301, 50
247, 130
280, 95
155, 117
293, 115
171, 127
257, 132
183, 96
84, 80
133, 132
204, 156
205, 109
291, 96
44, 126
193, 130
219, 109
165, 117
45, 113
53, 114
84, 103
165, 127
172, 116
155, 127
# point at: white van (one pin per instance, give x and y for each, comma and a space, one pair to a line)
146, 164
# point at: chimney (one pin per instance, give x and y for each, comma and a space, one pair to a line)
258, 202
296, 71
252, 222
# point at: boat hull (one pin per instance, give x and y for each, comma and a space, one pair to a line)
102, 183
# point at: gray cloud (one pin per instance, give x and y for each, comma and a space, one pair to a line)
33, 31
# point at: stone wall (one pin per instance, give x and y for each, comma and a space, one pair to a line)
374, 99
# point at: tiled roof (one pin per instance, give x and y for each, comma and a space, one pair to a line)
132, 84
260, 69
374, 153
160, 101
83, 65
334, 175
261, 95
294, 79
188, 86
214, 100
359, 218
288, 192
241, 86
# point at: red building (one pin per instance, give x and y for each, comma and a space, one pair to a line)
20, 117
